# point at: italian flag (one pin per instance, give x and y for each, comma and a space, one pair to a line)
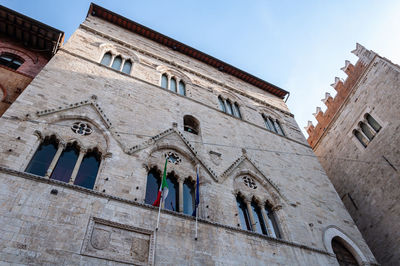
163, 191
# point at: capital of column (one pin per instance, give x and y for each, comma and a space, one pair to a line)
276, 208
62, 144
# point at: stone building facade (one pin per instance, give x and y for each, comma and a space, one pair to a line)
357, 142
83, 148
26, 45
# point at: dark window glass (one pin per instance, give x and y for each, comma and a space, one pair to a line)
236, 111
172, 198
152, 186
188, 197
367, 131
106, 59
11, 61
273, 226
229, 107
267, 123
260, 225
373, 123
164, 81
182, 88
279, 128
172, 86
360, 138
87, 173
272, 125
243, 214
343, 255
66, 164
191, 125
221, 104
127, 67
117, 63
41, 161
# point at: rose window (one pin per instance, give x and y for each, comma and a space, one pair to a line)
173, 157
81, 128
248, 181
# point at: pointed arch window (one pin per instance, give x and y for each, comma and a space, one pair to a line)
106, 59
11, 60
273, 125
373, 123
360, 138
88, 169
171, 202
229, 107
243, 214
279, 128
367, 131
182, 88
172, 85
164, 81
152, 186
222, 106
66, 163
343, 255
188, 196
272, 223
127, 67
260, 226
117, 63
236, 110
43, 157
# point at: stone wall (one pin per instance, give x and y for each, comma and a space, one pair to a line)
367, 179
135, 123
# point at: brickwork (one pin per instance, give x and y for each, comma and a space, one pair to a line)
366, 178
135, 123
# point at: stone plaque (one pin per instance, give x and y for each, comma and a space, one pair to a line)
118, 242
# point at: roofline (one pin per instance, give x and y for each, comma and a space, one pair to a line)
33, 20
98, 11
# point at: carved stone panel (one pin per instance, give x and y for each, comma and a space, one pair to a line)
118, 242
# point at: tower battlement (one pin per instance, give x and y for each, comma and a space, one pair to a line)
343, 88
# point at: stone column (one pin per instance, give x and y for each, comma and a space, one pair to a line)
180, 182
266, 220
61, 147
250, 211
82, 153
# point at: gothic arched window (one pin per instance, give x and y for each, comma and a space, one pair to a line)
272, 223
43, 157
360, 137
152, 186
66, 163
164, 81
88, 169
11, 61
182, 88
106, 59
188, 197
366, 130
259, 220
117, 63
273, 125
279, 128
172, 85
127, 67
373, 123
191, 124
172, 200
229, 107
243, 214
236, 110
221, 104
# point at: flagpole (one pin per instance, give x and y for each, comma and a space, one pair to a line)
197, 207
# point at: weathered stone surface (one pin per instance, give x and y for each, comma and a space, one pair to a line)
135, 122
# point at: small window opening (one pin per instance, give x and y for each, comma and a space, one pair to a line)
117, 63
373, 123
127, 67
173, 85
106, 59
191, 124
182, 88
164, 81
11, 61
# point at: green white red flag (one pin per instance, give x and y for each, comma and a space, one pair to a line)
163, 191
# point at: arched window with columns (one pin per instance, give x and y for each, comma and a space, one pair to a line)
188, 196
86, 176
272, 225
43, 156
243, 214
172, 200
152, 186
66, 163
258, 219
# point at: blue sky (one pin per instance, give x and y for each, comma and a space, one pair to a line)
299, 46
